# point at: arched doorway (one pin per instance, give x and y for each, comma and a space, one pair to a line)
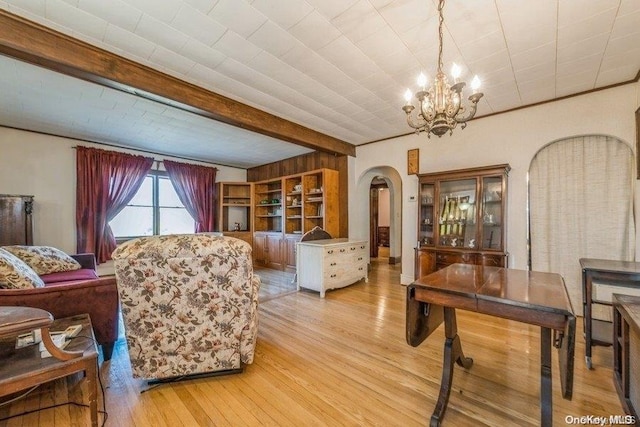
580, 206
361, 224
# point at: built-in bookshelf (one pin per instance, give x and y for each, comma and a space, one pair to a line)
235, 214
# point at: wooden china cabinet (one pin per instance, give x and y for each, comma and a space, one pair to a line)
462, 217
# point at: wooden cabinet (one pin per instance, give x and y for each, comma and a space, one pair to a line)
235, 215
290, 243
16, 220
331, 263
626, 353
462, 218
267, 250
383, 236
290, 206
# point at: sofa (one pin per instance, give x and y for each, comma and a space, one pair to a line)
189, 304
69, 293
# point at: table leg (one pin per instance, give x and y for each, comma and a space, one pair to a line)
587, 284
546, 405
91, 373
452, 353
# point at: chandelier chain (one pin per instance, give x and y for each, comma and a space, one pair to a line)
441, 22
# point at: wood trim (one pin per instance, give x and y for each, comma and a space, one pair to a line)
638, 142
34, 43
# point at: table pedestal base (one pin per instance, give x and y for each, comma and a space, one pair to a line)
452, 354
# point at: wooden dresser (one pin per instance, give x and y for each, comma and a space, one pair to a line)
331, 263
16, 220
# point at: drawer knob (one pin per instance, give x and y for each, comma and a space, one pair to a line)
360, 259
333, 275
342, 250
353, 249
332, 264
330, 252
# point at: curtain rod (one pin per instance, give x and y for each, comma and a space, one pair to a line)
161, 154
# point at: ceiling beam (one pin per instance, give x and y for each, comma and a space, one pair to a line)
37, 44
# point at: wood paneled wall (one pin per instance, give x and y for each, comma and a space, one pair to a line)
309, 162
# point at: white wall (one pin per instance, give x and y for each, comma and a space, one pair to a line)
512, 138
44, 166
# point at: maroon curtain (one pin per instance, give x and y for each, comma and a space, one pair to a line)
195, 186
105, 182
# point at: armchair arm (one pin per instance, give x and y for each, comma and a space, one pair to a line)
87, 260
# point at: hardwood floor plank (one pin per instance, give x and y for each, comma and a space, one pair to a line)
343, 360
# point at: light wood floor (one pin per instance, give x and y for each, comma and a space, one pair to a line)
344, 361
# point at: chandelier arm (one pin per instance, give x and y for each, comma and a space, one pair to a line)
470, 112
416, 124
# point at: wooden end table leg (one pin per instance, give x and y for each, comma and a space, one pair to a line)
452, 354
91, 373
546, 405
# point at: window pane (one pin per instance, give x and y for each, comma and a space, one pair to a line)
133, 221
176, 221
144, 196
167, 196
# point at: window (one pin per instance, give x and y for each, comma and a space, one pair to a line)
155, 209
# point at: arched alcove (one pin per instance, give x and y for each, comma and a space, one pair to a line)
360, 229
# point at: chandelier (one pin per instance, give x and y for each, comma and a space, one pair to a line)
441, 106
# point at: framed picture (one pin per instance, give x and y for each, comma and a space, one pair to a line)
413, 160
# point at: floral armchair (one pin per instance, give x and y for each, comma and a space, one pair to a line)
189, 304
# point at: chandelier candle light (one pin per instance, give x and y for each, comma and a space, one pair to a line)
441, 106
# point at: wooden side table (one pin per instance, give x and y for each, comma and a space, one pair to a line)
617, 273
626, 352
24, 368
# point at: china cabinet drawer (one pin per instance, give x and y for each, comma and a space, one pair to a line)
452, 258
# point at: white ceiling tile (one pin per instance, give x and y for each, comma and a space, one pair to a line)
403, 15
572, 89
379, 45
591, 62
543, 93
624, 73
234, 46
359, 21
122, 39
574, 32
198, 25
628, 6
520, 41
523, 15
203, 6
171, 60
160, 33
621, 59
530, 58
535, 72
504, 102
285, 13
626, 24
543, 84
583, 78
202, 54
498, 60
36, 7
76, 19
484, 46
421, 36
580, 10
164, 10
585, 47
116, 12
315, 31
238, 16
331, 8
624, 43
273, 39
345, 55
470, 19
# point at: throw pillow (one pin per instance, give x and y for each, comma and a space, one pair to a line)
44, 259
15, 274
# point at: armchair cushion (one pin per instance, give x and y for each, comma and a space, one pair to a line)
44, 259
15, 274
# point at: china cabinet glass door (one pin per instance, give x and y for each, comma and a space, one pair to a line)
426, 217
457, 224
492, 213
